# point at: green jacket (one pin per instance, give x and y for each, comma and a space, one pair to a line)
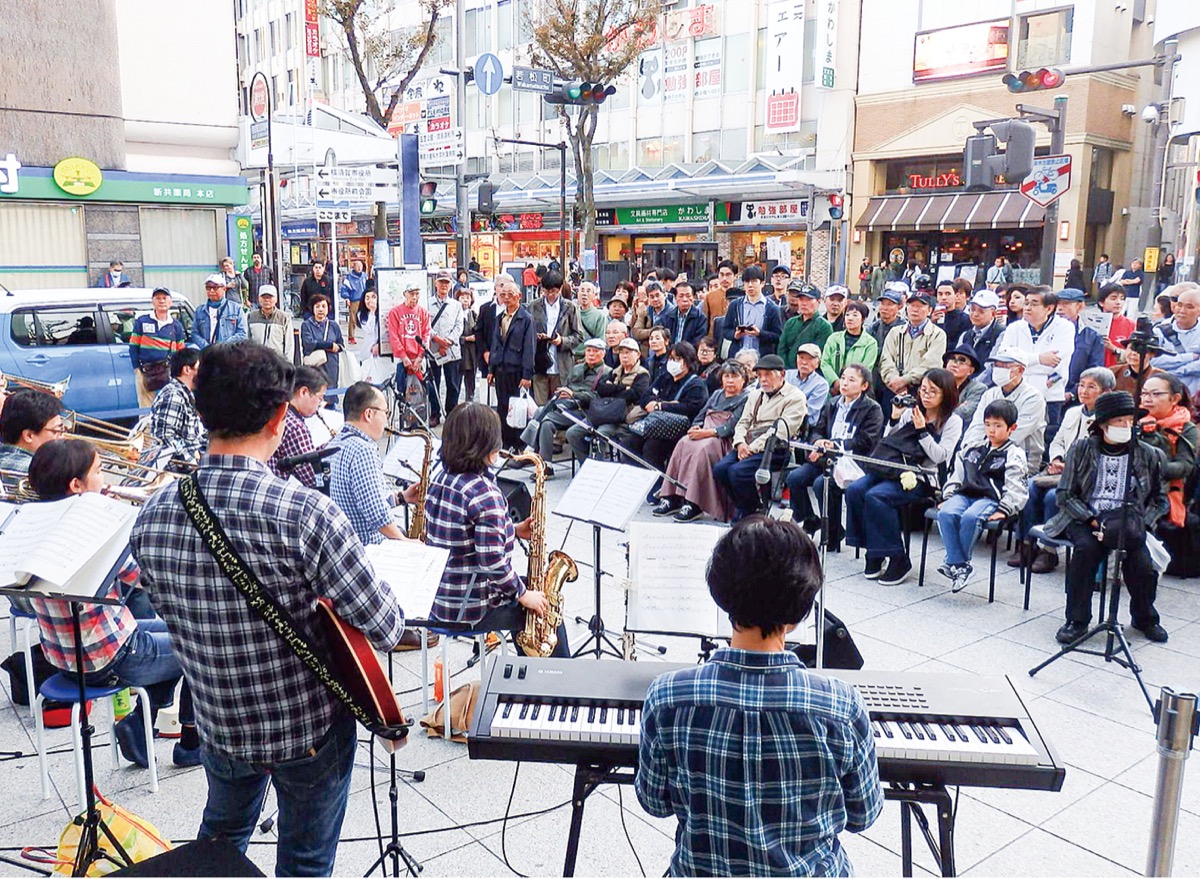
834, 356
593, 321
583, 381
798, 331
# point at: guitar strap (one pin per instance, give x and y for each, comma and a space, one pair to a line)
265, 605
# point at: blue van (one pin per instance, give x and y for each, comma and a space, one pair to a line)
50, 335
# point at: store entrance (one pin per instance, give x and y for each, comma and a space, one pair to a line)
695, 259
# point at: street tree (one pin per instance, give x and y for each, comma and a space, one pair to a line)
385, 60
591, 41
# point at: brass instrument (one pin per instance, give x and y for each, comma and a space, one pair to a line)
416, 523
55, 389
128, 444
546, 573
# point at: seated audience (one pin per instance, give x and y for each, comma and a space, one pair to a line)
710, 363
808, 378
986, 484
613, 334
1167, 425
656, 360
574, 396
1008, 372
628, 382
674, 399
922, 434
963, 363
707, 441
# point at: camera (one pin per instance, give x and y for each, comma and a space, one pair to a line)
905, 401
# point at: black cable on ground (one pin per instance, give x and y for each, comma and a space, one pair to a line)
628, 838
504, 827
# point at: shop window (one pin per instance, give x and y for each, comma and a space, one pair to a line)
733, 144
550, 160
289, 30
504, 25
478, 31
443, 49
810, 45
786, 141
1044, 38
672, 149
525, 12
736, 63
706, 145
649, 152
1102, 167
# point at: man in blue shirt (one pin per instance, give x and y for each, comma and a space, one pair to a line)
761, 761
219, 319
808, 378
356, 473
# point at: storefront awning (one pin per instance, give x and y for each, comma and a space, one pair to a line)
963, 210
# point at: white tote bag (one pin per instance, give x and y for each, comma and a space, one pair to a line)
520, 409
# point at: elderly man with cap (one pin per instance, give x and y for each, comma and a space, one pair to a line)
1102, 474
574, 396
984, 330
1012, 384
774, 407
963, 363
445, 328
219, 319
910, 350
1089, 345
807, 326
152, 341
271, 326
629, 381
807, 376
836, 297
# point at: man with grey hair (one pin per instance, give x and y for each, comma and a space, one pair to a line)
1181, 337
614, 332
271, 326
592, 317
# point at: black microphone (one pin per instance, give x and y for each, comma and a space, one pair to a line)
315, 456
763, 474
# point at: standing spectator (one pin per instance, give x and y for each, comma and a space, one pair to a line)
155, 337
1089, 347
220, 319
851, 345
781, 276
320, 333
752, 322
808, 326
485, 329
1132, 279
911, 350
1102, 273
115, 276
592, 317
984, 330
808, 378
1181, 337
529, 281
1009, 367
716, 300
887, 318
407, 329
1166, 273
352, 288
791, 304
236, 287
316, 284
1051, 343
173, 419
879, 279
271, 326
308, 396
445, 345
954, 321
556, 324
836, 297
996, 274
370, 339
514, 344
864, 279
1074, 279
466, 299
256, 275
614, 334
1112, 301
685, 322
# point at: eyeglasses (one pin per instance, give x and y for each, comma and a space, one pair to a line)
961, 360
1156, 393
382, 409
57, 431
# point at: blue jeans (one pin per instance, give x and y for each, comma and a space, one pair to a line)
451, 369
149, 661
1054, 417
960, 520
873, 506
737, 478
312, 793
1041, 507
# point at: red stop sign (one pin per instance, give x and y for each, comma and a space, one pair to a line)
259, 97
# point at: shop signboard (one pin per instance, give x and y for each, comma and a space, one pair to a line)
239, 234
301, 229
1049, 179
962, 50
784, 67
119, 186
661, 215
706, 66
425, 103
784, 210
676, 60
825, 44
650, 77
695, 23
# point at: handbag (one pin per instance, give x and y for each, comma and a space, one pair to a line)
156, 375
318, 356
606, 410
660, 425
846, 471
520, 409
140, 839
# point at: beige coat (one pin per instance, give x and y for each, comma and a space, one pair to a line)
788, 403
909, 358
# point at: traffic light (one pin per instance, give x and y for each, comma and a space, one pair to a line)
428, 201
1034, 80
837, 202
580, 93
982, 164
977, 167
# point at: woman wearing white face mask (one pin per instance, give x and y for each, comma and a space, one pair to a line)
679, 393
1096, 480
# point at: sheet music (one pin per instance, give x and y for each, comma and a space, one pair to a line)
53, 541
667, 565
606, 494
323, 425
410, 451
413, 570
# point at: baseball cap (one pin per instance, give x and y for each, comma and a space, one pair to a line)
596, 343
1010, 354
922, 296
443, 275
986, 299
216, 280
810, 349
267, 290
781, 269
162, 290
808, 291
923, 282
771, 361
836, 290
892, 296
629, 345
1072, 294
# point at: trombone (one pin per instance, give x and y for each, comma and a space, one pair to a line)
55, 389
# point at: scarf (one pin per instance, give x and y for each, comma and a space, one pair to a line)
1171, 428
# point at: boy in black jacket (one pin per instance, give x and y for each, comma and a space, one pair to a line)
989, 483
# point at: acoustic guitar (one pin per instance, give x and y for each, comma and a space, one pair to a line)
357, 665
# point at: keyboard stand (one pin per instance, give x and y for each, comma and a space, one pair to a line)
911, 800
588, 777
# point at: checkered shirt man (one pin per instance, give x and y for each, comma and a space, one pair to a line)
175, 422
356, 483
296, 440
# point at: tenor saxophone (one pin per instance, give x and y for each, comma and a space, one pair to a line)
416, 524
547, 573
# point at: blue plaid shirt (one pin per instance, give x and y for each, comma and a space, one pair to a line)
356, 483
762, 762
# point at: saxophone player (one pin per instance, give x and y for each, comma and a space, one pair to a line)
467, 514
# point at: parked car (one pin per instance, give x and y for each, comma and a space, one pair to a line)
50, 335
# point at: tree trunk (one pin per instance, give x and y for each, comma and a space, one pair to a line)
581, 134
373, 108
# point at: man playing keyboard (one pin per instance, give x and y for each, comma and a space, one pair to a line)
762, 762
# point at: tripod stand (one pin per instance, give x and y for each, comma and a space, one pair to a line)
1116, 648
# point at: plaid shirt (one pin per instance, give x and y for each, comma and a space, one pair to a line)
13, 460
762, 762
466, 513
356, 483
296, 441
175, 422
105, 627
255, 700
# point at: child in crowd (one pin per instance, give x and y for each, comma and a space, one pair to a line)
988, 483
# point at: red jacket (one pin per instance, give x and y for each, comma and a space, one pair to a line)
405, 325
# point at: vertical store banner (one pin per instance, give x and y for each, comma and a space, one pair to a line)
825, 45
312, 30
650, 77
707, 68
784, 69
676, 59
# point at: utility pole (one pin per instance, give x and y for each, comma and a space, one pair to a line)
460, 184
1056, 122
1162, 140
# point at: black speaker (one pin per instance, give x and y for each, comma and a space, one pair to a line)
487, 197
517, 494
204, 857
840, 650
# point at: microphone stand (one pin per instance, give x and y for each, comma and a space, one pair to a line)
624, 451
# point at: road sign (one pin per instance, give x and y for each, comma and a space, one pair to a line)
260, 97
1049, 179
258, 135
333, 215
489, 73
532, 79
1150, 259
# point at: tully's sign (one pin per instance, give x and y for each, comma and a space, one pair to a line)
934, 181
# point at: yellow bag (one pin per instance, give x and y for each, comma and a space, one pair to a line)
140, 839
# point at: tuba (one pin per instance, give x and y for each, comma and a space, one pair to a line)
416, 525
546, 573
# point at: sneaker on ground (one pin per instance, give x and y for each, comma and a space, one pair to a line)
874, 568
897, 570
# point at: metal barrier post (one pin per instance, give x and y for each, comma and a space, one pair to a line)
1177, 727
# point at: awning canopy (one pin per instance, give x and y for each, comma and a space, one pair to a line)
963, 210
